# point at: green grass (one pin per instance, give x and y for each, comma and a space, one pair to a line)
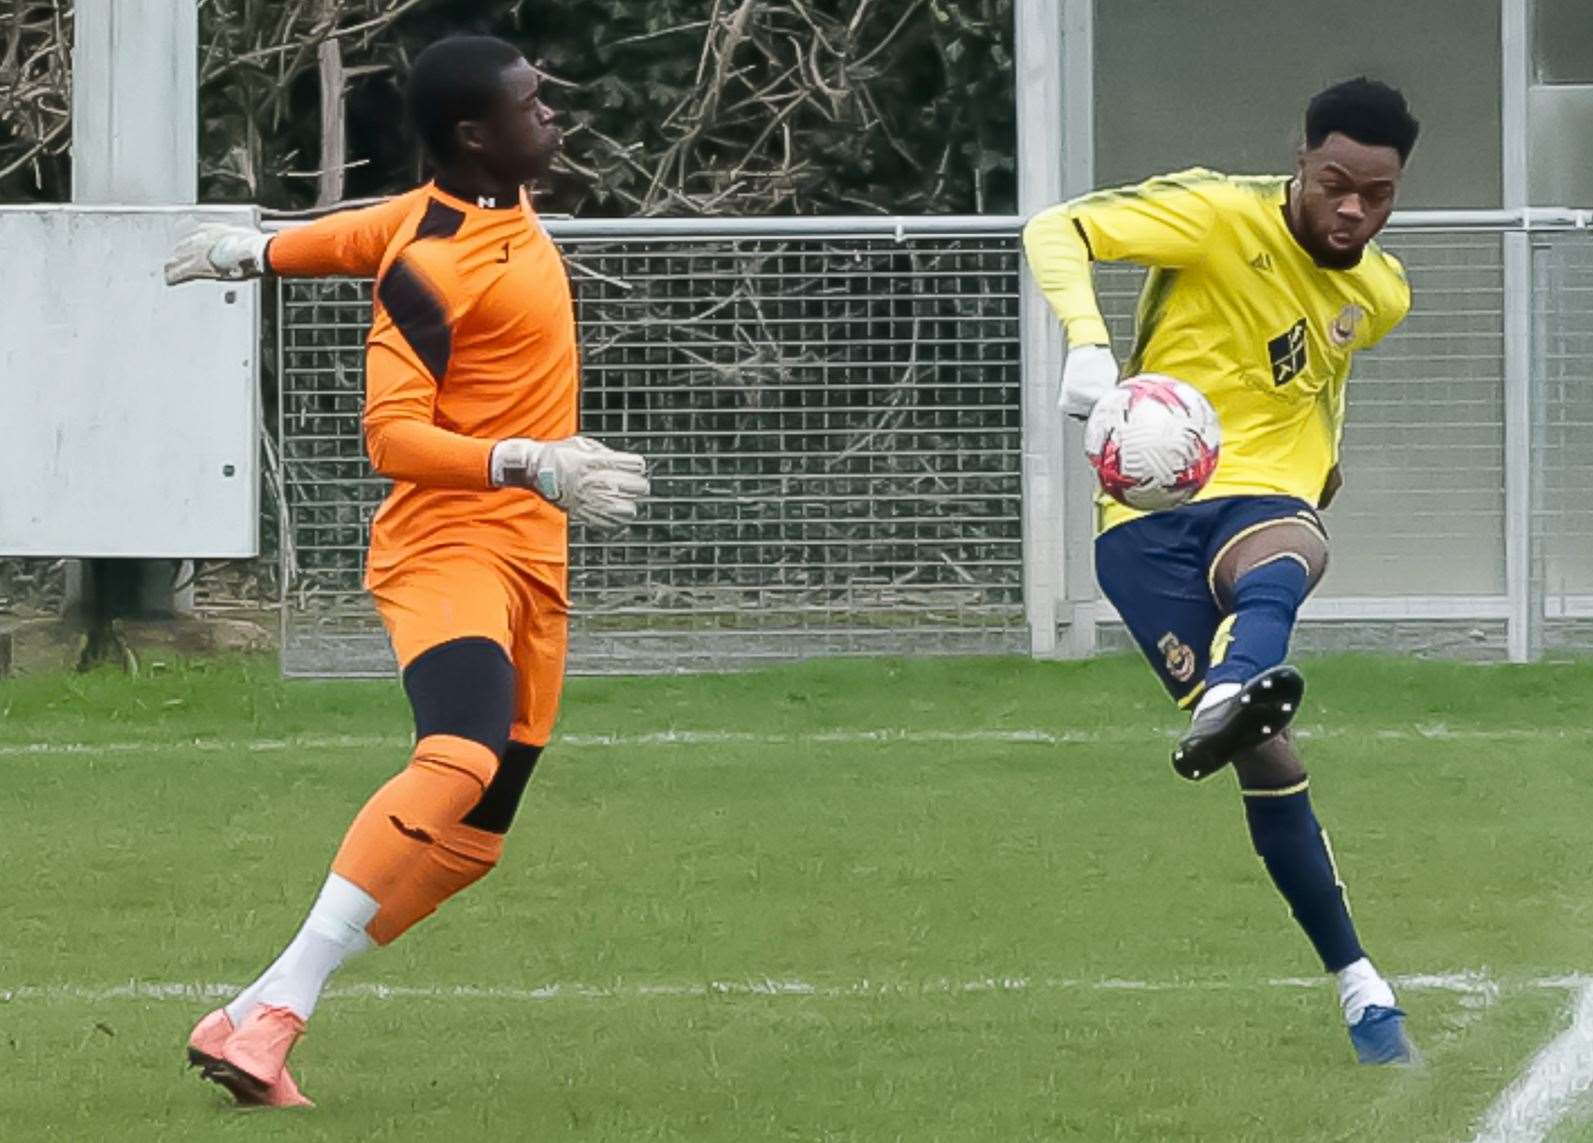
186, 838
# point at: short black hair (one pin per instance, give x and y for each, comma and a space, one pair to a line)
1365, 110
453, 80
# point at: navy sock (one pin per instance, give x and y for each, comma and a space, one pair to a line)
1295, 851
1266, 601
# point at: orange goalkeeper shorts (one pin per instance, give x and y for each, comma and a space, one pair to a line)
456, 593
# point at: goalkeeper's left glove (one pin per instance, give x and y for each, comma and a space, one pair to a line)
217, 251
592, 482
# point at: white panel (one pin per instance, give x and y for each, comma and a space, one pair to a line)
128, 410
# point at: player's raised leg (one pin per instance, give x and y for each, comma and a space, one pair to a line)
1295, 850
1259, 578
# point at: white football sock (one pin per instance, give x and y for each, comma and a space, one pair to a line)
1216, 695
333, 932
1361, 985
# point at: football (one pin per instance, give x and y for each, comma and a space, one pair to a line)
1153, 442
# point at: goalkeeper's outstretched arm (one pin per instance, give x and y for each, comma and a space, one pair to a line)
346, 244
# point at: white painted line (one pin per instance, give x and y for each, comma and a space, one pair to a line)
1467, 983
1016, 737
1475, 985
1569, 983
1527, 1112
209, 745
1557, 1077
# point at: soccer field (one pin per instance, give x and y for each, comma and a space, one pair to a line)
845, 901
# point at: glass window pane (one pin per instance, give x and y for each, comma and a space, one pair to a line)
1563, 41
1185, 82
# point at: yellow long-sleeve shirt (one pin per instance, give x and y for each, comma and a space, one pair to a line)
1234, 306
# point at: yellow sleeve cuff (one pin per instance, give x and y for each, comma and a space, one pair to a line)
1089, 329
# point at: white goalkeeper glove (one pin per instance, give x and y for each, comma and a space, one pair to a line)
590, 481
1088, 374
216, 251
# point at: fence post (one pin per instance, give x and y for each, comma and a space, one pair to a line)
135, 139
1547, 284
1056, 160
1078, 482
1038, 38
1522, 626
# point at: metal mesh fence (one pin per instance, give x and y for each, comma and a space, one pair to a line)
835, 433
1423, 508
1422, 511
1419, 531
329, 492
834, 439
1562, 563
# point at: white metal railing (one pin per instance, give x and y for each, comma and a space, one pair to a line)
903, 227
833, 408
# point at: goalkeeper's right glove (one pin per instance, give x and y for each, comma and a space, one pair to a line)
1088, 374
590, 481
217, 251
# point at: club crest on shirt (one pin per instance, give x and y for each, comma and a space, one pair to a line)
1342, 332
1179, 657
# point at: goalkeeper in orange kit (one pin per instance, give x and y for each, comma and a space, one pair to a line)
472, 381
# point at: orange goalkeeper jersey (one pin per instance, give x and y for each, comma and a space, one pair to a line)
472, 341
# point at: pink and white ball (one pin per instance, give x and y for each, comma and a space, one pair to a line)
1153, 441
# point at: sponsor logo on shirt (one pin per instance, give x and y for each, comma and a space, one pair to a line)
1287, 352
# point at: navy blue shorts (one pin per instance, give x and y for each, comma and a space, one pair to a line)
1157, 571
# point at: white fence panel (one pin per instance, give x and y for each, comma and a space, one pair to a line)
130, 410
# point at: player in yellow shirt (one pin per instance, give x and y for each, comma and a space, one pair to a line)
1260, 291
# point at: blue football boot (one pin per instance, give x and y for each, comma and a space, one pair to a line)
1379, 1037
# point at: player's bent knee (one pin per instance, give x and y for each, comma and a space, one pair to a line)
421, 809
465, 689
463, 797
453, 776
1293, 540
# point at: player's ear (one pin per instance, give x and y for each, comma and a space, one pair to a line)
470, 137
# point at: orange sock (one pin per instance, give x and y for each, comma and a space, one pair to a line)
408, 847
